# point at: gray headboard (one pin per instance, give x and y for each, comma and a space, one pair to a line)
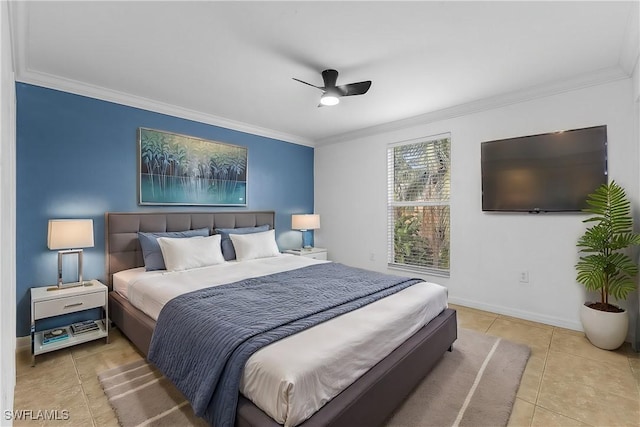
121, 231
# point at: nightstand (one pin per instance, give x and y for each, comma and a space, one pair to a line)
315, 253
50, 301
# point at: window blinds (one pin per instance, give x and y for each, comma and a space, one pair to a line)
418, 184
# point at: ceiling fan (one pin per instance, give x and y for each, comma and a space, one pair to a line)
331, 93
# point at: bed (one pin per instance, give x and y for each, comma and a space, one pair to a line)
370, 400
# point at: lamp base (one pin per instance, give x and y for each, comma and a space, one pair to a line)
70, 285
306, 241
80, 282
61, 286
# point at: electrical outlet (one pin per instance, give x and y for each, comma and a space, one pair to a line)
524, 277
372, 256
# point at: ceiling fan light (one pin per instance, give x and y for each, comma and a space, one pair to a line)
329, 99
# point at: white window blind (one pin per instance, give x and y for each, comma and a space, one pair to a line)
419, 177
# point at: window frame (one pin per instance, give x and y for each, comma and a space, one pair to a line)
392, 204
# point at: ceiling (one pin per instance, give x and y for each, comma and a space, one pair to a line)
232, 63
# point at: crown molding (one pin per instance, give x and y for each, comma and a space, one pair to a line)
631, 43
628, 60
104, 94
23, 74
599, 77
18, 26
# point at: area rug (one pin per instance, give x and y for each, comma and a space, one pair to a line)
473, 385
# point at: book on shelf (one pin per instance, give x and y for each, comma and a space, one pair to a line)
84, 327
54, 335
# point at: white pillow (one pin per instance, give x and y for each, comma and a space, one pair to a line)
255, 245
192, 252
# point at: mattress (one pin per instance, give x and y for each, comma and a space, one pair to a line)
122, 279
294, 377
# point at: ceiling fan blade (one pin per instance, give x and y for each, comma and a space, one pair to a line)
359, 88
309, 84
331, 93
330, 77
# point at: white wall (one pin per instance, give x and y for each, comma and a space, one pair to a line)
636, 94
7, 219
487, 250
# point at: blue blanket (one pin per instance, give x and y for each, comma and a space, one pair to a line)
203, 339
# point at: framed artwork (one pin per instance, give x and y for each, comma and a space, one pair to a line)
183, 170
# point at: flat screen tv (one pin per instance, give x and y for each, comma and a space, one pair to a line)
552, 172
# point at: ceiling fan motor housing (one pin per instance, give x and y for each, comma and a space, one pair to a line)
330, 78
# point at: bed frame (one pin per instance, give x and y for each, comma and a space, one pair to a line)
368, 401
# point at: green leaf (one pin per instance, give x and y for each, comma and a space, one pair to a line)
607, 267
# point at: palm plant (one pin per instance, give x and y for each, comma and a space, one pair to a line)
606, 267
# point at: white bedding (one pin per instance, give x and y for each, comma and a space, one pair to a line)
294, 377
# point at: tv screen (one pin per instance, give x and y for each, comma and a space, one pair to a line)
553, 172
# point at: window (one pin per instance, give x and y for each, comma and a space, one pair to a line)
419, 176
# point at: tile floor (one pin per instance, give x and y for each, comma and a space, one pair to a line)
567, 382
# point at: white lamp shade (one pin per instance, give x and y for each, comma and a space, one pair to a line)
305, 222
70, 233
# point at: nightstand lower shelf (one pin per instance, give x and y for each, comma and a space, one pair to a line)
40, 348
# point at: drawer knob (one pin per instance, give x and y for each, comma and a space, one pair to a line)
73, 305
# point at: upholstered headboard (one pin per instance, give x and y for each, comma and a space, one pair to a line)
121, 231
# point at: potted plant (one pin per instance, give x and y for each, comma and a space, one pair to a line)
605, 267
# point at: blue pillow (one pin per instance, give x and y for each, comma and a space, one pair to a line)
151, 252
228, 251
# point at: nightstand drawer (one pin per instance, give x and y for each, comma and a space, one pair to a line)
321, 255
71, 304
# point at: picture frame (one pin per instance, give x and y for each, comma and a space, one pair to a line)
175, 169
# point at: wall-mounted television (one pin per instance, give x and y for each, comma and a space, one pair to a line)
552, 172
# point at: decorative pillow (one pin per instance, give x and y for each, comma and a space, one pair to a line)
227, 246
184, 254
151, 250
255, 245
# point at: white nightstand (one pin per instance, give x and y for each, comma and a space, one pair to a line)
50, 301
315, 253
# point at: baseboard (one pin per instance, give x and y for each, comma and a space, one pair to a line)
520, 314
535, 317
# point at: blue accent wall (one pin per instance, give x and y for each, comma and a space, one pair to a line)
77, 158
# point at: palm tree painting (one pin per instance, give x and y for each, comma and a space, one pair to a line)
183, 170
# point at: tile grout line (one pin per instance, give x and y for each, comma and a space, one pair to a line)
525, 322
491, 324
558, 413
544, 368
84, 393
544, 365
609, 364
553, 333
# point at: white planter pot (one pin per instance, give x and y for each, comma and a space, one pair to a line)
605, 330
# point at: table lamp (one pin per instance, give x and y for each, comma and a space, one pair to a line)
70, 235
304, 223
